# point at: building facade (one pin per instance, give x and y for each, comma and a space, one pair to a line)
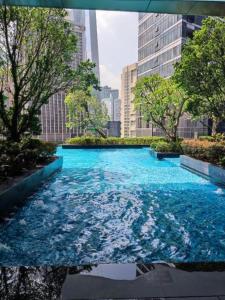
128, 113
54, 114
160, 40
111, 99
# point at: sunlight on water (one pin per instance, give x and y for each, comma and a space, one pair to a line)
117, 205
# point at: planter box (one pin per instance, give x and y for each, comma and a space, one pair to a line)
18, 192
161, 155
68, 146
210, 171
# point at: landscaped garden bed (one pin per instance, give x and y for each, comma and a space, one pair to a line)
211, 151
23, 167
162, 149
206, 157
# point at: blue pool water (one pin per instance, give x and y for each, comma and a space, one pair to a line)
117, 205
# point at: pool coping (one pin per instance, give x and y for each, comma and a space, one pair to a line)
207, 170
68, 146
16, 194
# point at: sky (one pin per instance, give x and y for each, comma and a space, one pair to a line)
117, 41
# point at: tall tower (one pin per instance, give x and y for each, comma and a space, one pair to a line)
77, 18
94, 41
54, 114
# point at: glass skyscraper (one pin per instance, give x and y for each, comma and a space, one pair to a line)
160, 41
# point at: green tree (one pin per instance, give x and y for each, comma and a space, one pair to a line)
201, 71
160, 101
37, 46
85, 78
86, 111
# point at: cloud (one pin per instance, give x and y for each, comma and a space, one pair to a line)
109, 78
117, 38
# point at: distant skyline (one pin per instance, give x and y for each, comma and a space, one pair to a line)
118, 44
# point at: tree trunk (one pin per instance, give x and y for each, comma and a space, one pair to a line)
215, 123
101, 133
13, 134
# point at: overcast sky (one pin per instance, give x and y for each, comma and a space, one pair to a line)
117, 38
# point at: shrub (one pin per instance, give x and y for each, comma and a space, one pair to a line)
219, 137
205, 150
90, 140
165, 146
16, 157
206, 138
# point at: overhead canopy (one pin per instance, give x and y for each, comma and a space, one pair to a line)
191, 7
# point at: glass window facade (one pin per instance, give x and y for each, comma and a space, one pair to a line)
160, 40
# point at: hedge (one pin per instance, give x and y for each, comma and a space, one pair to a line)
145, 141
165, 146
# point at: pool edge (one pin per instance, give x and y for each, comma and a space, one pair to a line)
18, 192
207, 170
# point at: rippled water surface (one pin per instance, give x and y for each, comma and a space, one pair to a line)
117, 205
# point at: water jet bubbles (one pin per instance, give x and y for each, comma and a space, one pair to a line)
155, 243
219, 191
39, 203
173, 250
47, 193
23, 222
4, 247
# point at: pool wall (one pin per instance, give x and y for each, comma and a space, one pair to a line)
212, 172
18, 193
161, 155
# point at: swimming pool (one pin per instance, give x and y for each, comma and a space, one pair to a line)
117, 205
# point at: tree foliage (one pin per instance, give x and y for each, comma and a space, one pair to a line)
86, 111
160, 101
85, 78
37, 46
201, 71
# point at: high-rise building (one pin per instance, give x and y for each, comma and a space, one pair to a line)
77, 17
128, 113
54, 114
94, 41
111, 99
160, 40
